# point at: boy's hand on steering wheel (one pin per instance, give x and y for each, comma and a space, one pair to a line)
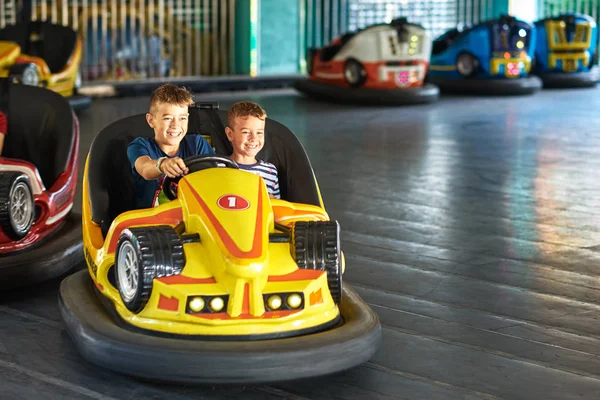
173, 167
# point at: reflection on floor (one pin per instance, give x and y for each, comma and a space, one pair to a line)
469, 225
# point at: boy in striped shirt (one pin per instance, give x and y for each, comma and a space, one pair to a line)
246, 132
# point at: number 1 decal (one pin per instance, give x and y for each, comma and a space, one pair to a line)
233, 202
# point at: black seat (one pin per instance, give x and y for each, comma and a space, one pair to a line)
40, 128
443, 42
110, 196
53, 43
328, 52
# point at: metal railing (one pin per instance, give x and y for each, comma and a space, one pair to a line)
140, 39
437, 16
549, 8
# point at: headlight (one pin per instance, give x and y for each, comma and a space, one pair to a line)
217, 304
196, 304
294, 300
274, 302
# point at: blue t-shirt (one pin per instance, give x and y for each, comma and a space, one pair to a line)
146, 192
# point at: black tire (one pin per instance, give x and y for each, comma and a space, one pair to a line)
467, 65
316, 245
26, 74
156, 251
354, 73
16, 196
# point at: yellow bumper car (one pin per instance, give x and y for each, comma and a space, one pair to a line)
220, 284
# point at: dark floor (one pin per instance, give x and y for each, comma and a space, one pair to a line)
469, 225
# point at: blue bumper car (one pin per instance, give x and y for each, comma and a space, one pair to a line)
565, 51
491, 58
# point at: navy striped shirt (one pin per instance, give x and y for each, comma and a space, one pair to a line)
269, 174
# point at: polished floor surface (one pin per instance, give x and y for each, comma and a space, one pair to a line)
469, 225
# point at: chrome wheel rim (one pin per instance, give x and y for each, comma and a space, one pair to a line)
127, 271
31, 77
465, 65
352, 73
21, 207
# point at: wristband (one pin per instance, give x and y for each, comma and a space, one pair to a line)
160, 160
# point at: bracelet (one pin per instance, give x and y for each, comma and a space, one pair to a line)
160, 160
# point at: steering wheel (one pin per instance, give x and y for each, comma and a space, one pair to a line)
195, 164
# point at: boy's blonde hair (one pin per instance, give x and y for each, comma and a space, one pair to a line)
170, 94
245, 109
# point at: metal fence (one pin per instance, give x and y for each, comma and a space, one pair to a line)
549, 8
437, 16
140, 39
323, 20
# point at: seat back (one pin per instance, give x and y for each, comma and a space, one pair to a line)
328, 52
53, 43
443, 42
40, 128
111, 185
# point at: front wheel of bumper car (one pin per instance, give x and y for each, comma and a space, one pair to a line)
316, 245
16, 210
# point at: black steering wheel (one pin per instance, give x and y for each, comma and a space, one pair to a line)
195, 164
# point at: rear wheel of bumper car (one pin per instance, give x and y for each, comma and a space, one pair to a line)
354, 73
26, 74
17, 210
467, 65
316, 245
142, 255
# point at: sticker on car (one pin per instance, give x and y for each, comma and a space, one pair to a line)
233, 202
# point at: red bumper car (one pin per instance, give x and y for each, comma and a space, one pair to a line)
40, 238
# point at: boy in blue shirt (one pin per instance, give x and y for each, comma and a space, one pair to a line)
152, 158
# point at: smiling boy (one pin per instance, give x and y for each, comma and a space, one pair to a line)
246, 132
152, 158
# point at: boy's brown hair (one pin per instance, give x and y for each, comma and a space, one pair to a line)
245, 109
170, 94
